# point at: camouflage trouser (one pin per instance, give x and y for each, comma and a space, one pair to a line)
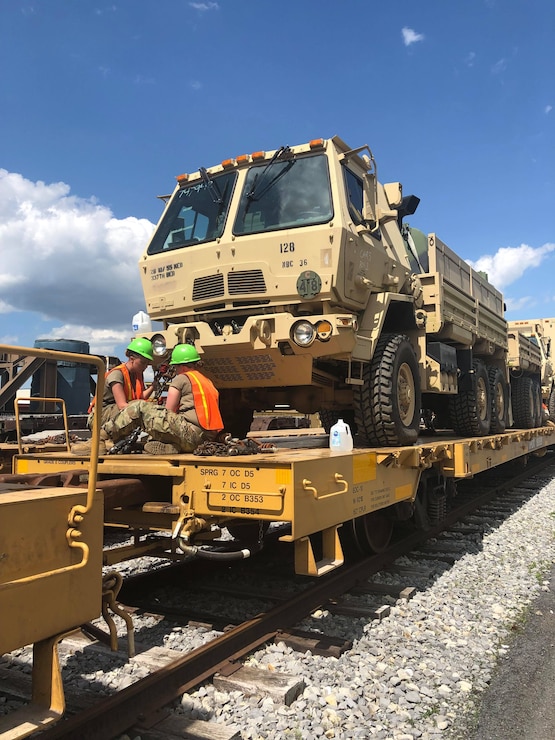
109, 415
159, 423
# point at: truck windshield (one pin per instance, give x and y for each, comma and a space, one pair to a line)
197, 213
288, 193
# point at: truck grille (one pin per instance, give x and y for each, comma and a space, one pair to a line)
241, 369
245, 281
238, 283
210, 286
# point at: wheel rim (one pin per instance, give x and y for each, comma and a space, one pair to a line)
500, 401
406, 394
482, 399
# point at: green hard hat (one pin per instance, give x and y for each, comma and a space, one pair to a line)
141, 346
184, 353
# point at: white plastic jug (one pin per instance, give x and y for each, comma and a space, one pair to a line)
341, 439
141, 323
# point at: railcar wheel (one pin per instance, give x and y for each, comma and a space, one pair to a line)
470, 409
499, 400
367, 534
387, 405
525, 403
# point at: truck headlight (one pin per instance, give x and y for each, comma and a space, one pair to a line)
303, 333
158, 345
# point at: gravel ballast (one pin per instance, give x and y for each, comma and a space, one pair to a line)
421, 672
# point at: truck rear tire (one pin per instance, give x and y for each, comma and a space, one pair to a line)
470, 409
526, 403
499, 399
387, 405
538, 404
551, 405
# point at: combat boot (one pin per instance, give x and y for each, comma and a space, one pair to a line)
85, 448
160, 448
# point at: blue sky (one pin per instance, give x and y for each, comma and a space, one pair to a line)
103, 104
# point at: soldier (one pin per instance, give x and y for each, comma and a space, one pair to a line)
124, 385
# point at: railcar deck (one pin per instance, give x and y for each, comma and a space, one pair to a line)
311, 489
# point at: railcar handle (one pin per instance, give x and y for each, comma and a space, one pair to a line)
307, 486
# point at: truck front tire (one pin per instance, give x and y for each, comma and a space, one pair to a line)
387, 405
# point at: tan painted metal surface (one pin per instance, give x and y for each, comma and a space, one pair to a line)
46, 585
50, 568
542, 332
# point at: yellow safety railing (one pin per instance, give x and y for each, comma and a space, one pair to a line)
21, 401
79, 511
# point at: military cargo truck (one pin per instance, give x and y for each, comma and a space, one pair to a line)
294, 274
542, 334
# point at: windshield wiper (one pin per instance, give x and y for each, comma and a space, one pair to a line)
212, 185
257, 191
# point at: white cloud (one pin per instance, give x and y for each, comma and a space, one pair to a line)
548, 109
470, 59
499, 67
410, 36
509, 263
67, 258
518, 304
144, 80
204, 6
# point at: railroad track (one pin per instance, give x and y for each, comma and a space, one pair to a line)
365, 590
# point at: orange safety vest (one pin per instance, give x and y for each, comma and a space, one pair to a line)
131, 393
205, 397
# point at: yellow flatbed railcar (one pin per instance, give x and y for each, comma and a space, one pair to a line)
312, 490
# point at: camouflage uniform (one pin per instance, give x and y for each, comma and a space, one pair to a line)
159, 423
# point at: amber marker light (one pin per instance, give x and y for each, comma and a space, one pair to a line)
324, 330
182, 179
316, 143
227, 163
346, 322
258, 155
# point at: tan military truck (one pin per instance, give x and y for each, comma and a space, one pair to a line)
542, 334
295, 277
